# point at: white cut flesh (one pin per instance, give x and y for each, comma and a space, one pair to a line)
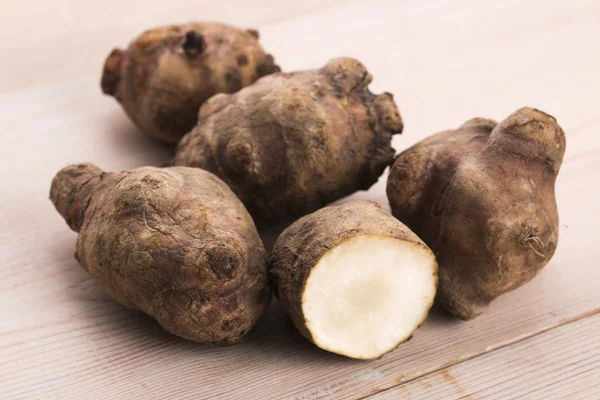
369, 294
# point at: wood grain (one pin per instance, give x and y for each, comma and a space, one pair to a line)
561, 364
60, 334
60, 40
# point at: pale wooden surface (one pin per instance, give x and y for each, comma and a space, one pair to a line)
561, 363
445, 61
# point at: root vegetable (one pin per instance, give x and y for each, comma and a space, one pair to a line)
482, 197
354, 280
174, 243
293, 142
168, 72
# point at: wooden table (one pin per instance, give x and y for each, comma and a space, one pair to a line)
62, 337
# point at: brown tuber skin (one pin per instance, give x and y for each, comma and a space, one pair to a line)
482, 197
293, 142
174, 243
165, 75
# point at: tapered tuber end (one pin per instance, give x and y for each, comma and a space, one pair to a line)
193, 44
388, 114
347, 74
534, 134
71, 190
483, 123
387, 123
111, 74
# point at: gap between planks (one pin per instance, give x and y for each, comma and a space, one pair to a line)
489, 350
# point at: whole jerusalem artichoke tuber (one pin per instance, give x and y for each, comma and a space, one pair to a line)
174, 243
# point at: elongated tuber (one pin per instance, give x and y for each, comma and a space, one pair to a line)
482, 197
354, 280
293, 142
168, 72
174, 243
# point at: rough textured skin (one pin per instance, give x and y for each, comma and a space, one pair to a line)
165, 75
482, 197
293, 142
302, 244
174, 243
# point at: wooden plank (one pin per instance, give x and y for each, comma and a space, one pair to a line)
563, 363
59, 40
61, 336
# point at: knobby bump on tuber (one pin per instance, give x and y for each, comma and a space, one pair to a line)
168, 72
174, 243
354, 280
293, 142
482, 197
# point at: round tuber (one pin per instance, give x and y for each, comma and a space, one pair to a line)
482, 197
354, 280
293, 142
174, 243
168, 72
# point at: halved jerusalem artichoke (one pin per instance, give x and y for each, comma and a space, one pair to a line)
354, 280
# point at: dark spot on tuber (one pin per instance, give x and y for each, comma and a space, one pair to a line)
223, 261
239, 157
234, 81
226, 326
193, 44
242, 60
